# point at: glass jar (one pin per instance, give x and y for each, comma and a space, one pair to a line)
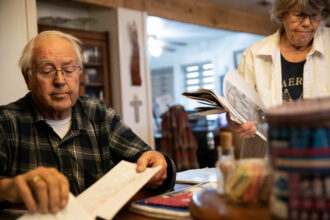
300, 157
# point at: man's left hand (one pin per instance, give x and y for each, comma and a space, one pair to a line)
153, 159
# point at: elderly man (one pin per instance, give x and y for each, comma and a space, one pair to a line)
53, 142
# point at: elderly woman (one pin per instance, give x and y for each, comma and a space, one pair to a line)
294, 62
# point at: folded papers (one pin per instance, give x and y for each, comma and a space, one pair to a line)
172, 205
240, 100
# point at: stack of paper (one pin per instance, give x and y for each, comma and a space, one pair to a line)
172, 205
105, 197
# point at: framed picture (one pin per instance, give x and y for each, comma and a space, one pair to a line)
237, 57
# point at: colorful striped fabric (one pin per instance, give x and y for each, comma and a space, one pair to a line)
177, 140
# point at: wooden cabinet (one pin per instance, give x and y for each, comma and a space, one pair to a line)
95, 78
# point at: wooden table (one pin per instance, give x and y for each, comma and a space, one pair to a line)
210, 199
208, 204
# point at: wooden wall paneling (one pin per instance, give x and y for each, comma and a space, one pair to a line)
198, 12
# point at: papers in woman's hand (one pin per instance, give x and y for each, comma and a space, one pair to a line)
241, 101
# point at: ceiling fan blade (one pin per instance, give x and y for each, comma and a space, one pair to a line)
176, 43
167, 48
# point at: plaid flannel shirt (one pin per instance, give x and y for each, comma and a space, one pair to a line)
96, 142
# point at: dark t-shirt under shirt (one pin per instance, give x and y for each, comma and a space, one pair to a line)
292, 80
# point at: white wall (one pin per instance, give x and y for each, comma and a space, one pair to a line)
144, 128
18, 24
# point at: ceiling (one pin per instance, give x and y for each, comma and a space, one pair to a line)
254, 6
170, 30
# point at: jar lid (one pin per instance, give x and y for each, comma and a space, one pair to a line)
311, 112
226, 139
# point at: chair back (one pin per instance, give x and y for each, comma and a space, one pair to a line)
177, 140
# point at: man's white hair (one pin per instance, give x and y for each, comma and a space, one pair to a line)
25, 62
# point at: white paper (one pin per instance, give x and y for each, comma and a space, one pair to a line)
241, 101
163, 103
195, 176
245, 102
109, 194
73, 210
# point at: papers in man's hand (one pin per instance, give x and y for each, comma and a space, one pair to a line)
74, 210
106, 197
241, 101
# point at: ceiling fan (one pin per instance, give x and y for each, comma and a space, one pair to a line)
155, 43
62, 21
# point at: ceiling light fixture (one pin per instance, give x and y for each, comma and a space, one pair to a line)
264, 3
154, 47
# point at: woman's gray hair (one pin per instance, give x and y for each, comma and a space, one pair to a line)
282, 7
25, 62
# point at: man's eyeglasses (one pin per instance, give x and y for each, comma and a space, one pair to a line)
49, 71
299, 17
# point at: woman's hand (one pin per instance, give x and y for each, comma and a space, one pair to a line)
246, 130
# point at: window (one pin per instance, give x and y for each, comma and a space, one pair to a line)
162, 82
199, 76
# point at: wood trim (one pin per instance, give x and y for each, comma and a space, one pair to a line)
200, 12
86, 34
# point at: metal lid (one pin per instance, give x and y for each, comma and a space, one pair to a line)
311, 112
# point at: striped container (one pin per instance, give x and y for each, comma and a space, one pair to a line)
299, 147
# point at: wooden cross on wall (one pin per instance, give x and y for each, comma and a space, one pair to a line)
136, 103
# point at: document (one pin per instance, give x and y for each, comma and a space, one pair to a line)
105, 197
109, 194
241, 101
197, 176
74, 210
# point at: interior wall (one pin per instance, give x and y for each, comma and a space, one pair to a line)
220, 51
18, 24
144, 127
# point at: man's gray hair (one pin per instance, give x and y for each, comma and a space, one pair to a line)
25, 62
282, 7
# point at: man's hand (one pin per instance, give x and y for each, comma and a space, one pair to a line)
246, 130
42, 189
153, 159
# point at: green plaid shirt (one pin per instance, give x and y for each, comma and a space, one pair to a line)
96, 142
